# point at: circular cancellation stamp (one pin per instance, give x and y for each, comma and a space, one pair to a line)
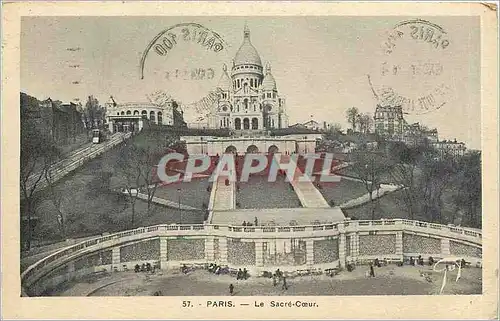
411, 68
186, 62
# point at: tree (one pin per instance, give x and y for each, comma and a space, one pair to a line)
93, 114
369, 167
352, 117
129, 166
38, 152
137, 163
467, 195
404, 168
365, 123
435, 178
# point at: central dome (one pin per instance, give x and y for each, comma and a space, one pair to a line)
247, 54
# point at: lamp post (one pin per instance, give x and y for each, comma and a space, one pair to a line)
179, 199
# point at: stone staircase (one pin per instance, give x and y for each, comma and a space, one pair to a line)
307, 193
225, 196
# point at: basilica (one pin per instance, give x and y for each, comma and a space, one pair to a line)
248, 95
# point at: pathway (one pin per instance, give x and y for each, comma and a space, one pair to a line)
383, 190
223, 196
74, 160
308, 194
163, 201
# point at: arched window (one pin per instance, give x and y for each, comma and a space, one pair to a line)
246, 123
129, 112
221, 123
118, 113
160, 117
144, 114
237, 123
245, 103
122, 113
152, 116
255, 123
273, 149
136, 112
252, 149
251, 82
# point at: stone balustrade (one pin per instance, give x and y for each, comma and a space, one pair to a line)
250, 247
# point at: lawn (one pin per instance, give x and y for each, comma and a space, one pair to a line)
259, 193
348, 171
342, 191
192, 193
392, 206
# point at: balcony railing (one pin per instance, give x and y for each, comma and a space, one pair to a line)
229, 231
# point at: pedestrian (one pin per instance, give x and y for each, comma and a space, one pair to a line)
274, 280
256, 221
372, 272
285, 287
231, 289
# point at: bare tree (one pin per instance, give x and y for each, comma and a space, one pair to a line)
369, 167
93, 114
404, 171
436, 177
38, 152
128, 166
137, 164
352, 117
56, 199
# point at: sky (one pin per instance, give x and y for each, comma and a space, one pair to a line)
320, 63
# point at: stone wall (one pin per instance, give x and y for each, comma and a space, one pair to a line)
185, 249
326, 251
420, 244
240, 253
460, 249
377, 244
148, 250
94, 259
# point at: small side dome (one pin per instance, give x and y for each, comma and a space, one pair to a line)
224, 81
269, 83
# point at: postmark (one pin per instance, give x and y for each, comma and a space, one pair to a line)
185, 60
411, 68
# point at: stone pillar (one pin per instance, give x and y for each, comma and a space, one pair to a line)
209, 249
163, 253
115, 258
222, 250
259, 254
445, 247
110, 126
342, 244
309, 252
399, 244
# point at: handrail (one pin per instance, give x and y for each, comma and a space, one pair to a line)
333, 228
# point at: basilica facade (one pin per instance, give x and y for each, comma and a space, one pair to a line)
248, 96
